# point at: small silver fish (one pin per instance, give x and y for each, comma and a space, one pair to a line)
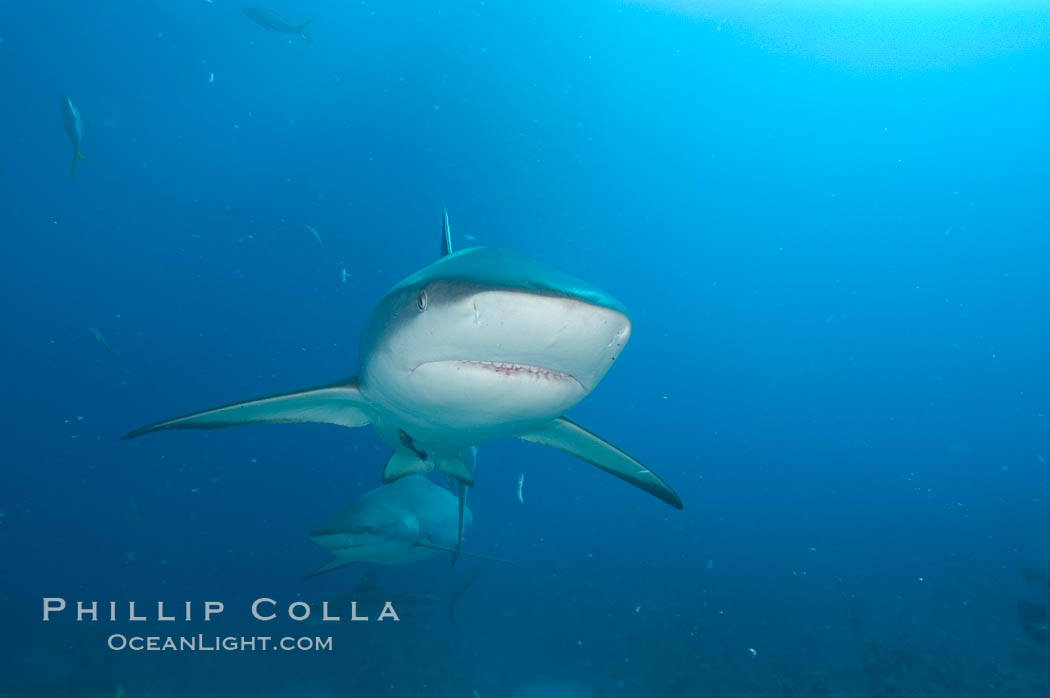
521, 484
317, 236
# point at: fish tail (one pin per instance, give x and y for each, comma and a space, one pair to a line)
301, 31
77, 157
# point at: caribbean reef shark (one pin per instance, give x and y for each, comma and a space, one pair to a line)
408, 520
481, 344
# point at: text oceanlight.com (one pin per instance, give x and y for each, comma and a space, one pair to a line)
203, 643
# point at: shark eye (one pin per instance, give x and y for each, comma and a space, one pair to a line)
421, 301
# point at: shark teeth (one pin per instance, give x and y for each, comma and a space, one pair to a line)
522, 370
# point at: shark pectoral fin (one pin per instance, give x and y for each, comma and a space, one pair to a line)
330, 566
335, 403
402, 463
460, 468
462, 552
469, 456
570, 437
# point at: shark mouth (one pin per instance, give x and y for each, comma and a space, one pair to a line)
506, 368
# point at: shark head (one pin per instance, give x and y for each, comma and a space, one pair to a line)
377, 536
408, 520
485, 322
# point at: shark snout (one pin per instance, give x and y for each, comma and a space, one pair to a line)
541, 337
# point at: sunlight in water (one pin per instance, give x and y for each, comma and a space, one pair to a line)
882, 35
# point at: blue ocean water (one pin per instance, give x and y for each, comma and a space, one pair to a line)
830, 225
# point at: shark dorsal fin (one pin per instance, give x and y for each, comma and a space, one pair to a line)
446, 234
